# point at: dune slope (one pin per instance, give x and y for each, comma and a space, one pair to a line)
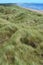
21, 36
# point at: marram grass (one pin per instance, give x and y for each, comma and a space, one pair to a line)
21, 36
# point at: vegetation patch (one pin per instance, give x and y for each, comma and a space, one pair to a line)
21, 36
29, 41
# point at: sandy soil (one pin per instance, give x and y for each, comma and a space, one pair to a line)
38, 11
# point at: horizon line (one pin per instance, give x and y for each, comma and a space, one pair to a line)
20, 3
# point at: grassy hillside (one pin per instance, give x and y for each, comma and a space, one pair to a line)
21, 36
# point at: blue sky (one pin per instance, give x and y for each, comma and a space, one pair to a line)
21, 1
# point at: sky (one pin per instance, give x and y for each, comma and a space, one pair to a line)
21, 1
